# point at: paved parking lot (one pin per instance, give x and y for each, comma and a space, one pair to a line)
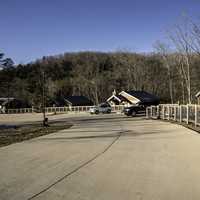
106, 157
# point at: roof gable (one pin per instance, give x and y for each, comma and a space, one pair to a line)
5, 100
116, 97
131, 98
143, 96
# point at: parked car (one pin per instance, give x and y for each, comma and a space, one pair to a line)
134, 110
102, 108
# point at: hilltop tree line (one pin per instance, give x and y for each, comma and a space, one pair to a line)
96, 75
173, 74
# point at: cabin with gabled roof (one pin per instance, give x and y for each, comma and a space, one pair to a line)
133, 97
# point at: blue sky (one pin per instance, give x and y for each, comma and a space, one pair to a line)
32, 29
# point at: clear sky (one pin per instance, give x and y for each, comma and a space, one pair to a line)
30, 29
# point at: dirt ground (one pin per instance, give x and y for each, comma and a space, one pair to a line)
17, 133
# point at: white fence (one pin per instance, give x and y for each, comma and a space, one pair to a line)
179, 113
18, 111
73, 109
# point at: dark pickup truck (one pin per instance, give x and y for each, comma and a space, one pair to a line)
134, 110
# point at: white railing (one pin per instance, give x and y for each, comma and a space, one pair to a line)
18, 111
72, 109
180, 113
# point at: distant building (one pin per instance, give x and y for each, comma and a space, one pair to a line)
117, 100
11, 103
133, 97
78, 101
74, 101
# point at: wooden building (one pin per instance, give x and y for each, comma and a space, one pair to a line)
74, 101
12, 103
133, 97
78, 101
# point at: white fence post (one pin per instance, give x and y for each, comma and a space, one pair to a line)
168, 110
163, 109
174, 113
187, 114
151, 111
179, 113
196, 115
147, 114
157, 112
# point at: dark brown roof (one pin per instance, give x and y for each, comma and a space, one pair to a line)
144, 97
78, 101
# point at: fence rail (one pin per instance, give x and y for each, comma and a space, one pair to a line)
18, 111
72, 109
180, 113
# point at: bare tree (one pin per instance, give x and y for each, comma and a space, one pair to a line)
193, 37
181, 38
164, 51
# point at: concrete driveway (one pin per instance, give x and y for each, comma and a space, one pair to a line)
108, 157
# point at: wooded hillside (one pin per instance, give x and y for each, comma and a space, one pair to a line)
96, 75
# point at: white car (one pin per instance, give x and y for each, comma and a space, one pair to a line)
102, 108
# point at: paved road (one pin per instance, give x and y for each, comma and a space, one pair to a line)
104, 158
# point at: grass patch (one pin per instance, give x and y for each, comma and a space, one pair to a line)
13, 134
